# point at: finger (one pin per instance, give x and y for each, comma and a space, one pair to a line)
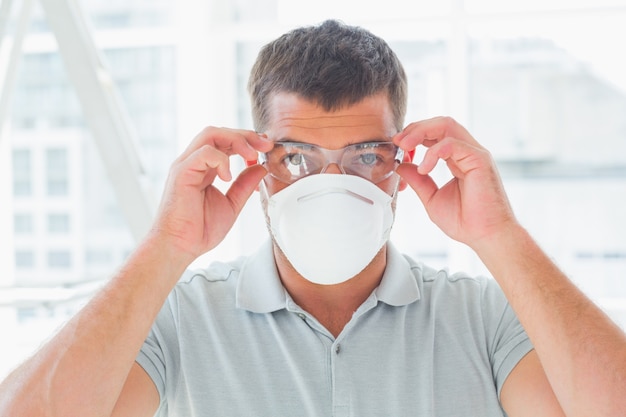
423, 185
243, 187
260, 142
201, 167
429, 132
230, 141
461, 157
243, 142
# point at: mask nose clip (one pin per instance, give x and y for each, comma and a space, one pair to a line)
335, 190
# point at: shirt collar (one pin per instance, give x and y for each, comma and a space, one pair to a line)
398, 286
260, 290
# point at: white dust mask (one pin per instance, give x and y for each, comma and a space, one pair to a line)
330, 226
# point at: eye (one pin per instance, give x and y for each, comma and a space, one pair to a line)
368, 158
369, 154
294, 159
297, 161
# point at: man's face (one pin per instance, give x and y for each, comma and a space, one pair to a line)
297, 120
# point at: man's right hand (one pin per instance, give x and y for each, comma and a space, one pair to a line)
194, 215
88, 368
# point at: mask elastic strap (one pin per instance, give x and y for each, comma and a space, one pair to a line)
265, 196
396, 188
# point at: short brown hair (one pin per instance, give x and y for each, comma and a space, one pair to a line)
331, 64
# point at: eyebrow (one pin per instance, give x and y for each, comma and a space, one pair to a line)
291, 140
350, 143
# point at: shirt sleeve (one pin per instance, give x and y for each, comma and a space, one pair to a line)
159, 354
506, 338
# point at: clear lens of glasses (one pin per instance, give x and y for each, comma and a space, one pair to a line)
291, 161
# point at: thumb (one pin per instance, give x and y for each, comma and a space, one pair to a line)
245, 184
423, 185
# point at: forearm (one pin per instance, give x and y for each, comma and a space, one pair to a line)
82, 369
582, 351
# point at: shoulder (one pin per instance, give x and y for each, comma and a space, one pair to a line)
215, 272
213, 284
443, 289
433, 279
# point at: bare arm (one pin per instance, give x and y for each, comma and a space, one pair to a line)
582, 352
88, 368
139, 397
81, 371
527, 392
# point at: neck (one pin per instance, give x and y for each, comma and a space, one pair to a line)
331, 305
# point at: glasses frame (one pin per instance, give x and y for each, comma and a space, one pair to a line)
334, 156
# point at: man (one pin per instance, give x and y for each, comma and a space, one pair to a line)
358, 330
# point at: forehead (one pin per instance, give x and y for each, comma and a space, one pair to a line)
294, 118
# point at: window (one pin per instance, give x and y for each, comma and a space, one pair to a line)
56, 172
24, 259
22, 172
98, 256
58, 223
59, 259
23, 224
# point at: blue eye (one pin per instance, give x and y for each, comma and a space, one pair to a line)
368, 158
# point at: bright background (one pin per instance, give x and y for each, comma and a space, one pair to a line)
541, 83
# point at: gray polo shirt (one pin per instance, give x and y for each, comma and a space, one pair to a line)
230, 341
